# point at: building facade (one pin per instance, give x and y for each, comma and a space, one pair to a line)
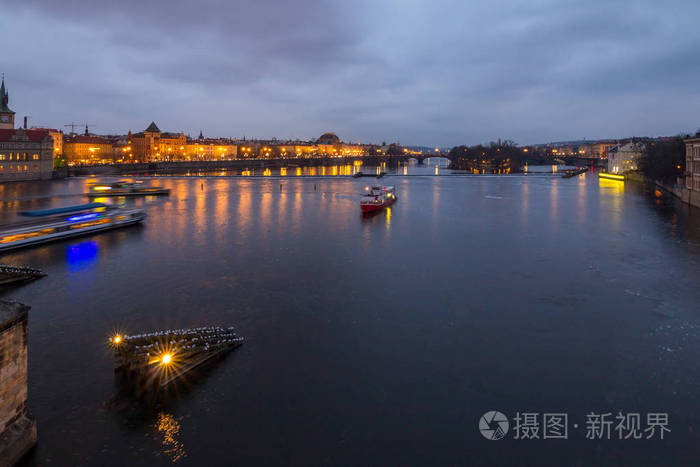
24, 154
153, 145
210, 149
57, 137
87, 149
624, 158
692, 164
596, 150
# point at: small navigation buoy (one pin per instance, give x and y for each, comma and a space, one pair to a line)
314, 187
280, 187
201, 186
657, 193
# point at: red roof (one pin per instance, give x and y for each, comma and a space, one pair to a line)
44, 128
33, 135
86, 140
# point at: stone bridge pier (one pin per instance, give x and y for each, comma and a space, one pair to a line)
17, 427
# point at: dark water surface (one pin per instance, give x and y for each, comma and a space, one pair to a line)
376, 340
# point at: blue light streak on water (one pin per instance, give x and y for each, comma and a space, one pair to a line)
81, 256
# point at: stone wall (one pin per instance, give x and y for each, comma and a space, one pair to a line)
17, 429
691, 197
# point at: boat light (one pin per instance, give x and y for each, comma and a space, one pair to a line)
102, 188
83, 217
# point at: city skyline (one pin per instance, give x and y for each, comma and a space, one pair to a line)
437, 74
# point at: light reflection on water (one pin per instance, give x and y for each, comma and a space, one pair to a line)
350, 317
612, 198
431, 166
169, 428
554, 203
81, 255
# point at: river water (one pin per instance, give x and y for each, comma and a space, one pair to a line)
372, 340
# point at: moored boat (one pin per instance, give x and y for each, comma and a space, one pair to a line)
574, 172
378, 198
124, 188
64, 222
610, 176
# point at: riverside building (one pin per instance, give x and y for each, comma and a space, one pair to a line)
24, 154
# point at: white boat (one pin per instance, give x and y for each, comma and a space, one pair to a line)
69, 221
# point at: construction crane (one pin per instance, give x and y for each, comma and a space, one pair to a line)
72, 126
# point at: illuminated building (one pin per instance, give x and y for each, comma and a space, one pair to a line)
328, 144
57, 137
87, 149
24, 154
304, 149
624, 158
247, 150
596, 150
153, 145
122, 152
210, 149
328, 139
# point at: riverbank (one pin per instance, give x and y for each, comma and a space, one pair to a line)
684, 194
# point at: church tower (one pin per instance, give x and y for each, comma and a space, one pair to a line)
7, 116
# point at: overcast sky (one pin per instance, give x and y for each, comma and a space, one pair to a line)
422, 72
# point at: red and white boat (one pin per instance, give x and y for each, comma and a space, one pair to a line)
378, 198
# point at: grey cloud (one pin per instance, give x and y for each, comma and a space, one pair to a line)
425, 72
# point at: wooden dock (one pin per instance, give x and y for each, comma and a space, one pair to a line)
157, 359
13, 274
